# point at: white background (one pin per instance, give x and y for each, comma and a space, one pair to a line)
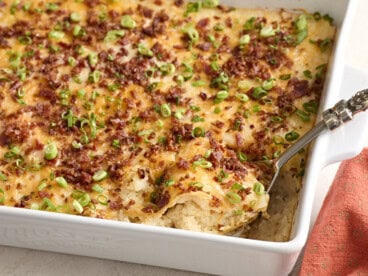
15, 261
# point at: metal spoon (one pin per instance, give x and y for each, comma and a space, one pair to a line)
332, 118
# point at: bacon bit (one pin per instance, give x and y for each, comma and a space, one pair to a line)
239, 139
179, 3
229, 22
157, 26
141, 173
162, 199
92, 3
203, 96
146, 12
298, 88
216, 158
203, 23
116, 205
215, 202
183, 164
219, 124
43, 194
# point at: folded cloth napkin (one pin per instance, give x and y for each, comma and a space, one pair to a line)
338, 244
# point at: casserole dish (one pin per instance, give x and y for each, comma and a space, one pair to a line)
135, 243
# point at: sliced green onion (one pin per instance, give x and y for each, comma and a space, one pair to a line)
116, 143
311, 106
3, 177
128, 22
245, 39
219, 27
42, 186
267, 31
202, 163
250, 24
308, 74
222, 95
56, 35
144, 51
242, 97
278, 140
179, 114
114, 35
242, 156
169, 182
210, 3
193, 7
72, 61
276, 119
93, 59
244, 85
233, 197
102, 199
303, 115
61, 182
301, 23
268, 84
196, 184
84, 200
168, 69
75, 17
217, 110
258, 188
285, 77
192, 33
2, 196
50, 151
237, 186
78, 31
99, 175
292, 136
197, 119
76, 145
222, 176
77, 206
94, 76
207, 154
97, 188
165, 110
276, 154
48, 205
259, 92
198, 132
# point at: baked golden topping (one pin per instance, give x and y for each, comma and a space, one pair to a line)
153, 111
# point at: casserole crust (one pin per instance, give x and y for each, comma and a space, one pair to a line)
153, 111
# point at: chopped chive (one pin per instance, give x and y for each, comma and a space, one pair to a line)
93, 59
198, 83
276, 119
285, 77
84, 200
303, 115
210, 3
169, 182
196, 184
2, 196
237, 186
222, 95
48, 205
192, 33
3, 177
102, 199
193, 7
250, 24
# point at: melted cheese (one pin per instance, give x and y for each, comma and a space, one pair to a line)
147, 181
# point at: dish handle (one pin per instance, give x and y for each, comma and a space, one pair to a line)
349, 140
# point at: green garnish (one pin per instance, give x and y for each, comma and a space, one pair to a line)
114, 35
61, 182
202, 163
144, 51
56, 34
99, 175
258, 188
128, 22
50, 151
198, 132
165, 110
75, 17
291, 136
233, 197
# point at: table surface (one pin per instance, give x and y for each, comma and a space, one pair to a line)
16, 261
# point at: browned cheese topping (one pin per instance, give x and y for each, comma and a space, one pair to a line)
152, 111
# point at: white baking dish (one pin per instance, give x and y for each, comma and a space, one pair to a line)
198, 251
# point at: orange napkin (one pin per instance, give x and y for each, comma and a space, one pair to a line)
338, 244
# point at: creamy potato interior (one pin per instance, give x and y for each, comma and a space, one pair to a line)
153, 111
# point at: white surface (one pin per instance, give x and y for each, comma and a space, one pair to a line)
28, 262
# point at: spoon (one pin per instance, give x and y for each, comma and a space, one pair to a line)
332, 118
